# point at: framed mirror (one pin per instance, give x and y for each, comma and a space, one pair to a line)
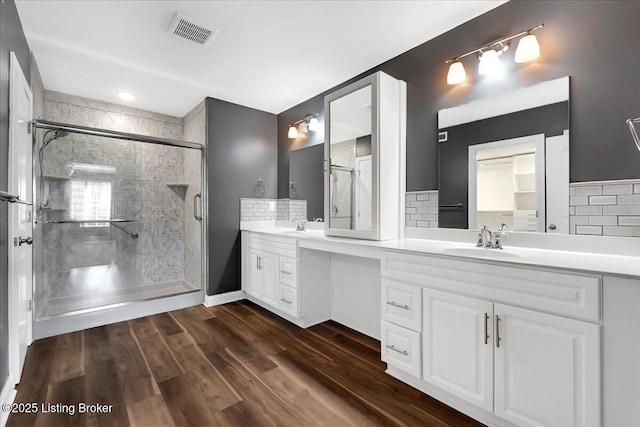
364, 159
505, 160
306, 179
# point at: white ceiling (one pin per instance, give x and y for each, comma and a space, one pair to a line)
269, 55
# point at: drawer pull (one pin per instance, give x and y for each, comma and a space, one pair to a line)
285, 272
403, 352
285, 301
395, 304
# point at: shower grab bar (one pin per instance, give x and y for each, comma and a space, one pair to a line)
634, 133
12, 198
195, 206
131, 234
87, 221
451, 206
45, 124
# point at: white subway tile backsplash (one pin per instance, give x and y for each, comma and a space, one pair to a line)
589, 190
603, 200
589, 229
421, 209
629, 199
610, 209
603, 220
588, 210
613, 230
629, 220
617, 189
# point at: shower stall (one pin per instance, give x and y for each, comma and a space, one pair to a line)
118, 220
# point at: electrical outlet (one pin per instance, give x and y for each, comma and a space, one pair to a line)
272, 206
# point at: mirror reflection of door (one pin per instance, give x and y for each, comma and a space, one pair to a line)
363, 192
350, 178
507, 184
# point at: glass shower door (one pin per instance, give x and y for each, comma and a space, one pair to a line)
115, 222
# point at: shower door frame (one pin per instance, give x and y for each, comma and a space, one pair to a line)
84, 130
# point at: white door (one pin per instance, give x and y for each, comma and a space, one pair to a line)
547, 369
270, 278
458, 346
557, 171
364, 182
254, 275
20, 217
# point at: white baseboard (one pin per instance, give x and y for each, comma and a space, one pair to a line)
227, 297
6, 397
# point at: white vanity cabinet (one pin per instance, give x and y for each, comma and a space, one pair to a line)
521, 346
279, 276
269, 266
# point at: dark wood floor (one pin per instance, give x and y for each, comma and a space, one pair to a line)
235, 364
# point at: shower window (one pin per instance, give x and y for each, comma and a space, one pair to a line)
90, 200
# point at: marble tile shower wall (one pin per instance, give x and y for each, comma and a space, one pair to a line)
138, 177
421, 209
194, 131
261, 209
609, 208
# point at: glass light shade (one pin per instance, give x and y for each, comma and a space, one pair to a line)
528, 49
490, 64
314, 124
293, 132
456, 74
303, 128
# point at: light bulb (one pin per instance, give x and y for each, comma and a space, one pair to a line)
293, 132
528, 49
490, 64
126, 96
456, 74
314, 124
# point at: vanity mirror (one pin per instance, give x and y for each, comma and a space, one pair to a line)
505, 159
306, 179
364, 159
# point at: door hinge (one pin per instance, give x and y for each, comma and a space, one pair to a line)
30, 305
29, 125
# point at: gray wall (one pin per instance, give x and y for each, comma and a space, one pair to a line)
597, 43
11, 39
241, 148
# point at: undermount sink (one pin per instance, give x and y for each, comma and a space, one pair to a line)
481, 252
298, 233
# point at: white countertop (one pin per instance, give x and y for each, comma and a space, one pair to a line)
593, 262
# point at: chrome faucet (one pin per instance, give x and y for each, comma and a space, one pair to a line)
300, 224
485, 237
501, 231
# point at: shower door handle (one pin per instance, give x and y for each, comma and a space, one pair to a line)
197, 197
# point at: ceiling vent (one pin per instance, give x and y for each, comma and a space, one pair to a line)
189, 29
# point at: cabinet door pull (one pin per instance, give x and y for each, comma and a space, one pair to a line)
395, 304
257, 263
285, 301
497, 331
403, 352
486, 328
285, 272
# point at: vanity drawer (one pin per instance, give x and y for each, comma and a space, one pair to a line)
288, 272
402, 304
564, 293
401, 348
288, 300
278, 245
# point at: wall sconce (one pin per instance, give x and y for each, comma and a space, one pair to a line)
528, 49
309, 123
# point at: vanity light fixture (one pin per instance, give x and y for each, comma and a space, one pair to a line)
309, 123
528, 49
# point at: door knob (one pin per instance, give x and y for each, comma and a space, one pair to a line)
18, 241
552, 227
